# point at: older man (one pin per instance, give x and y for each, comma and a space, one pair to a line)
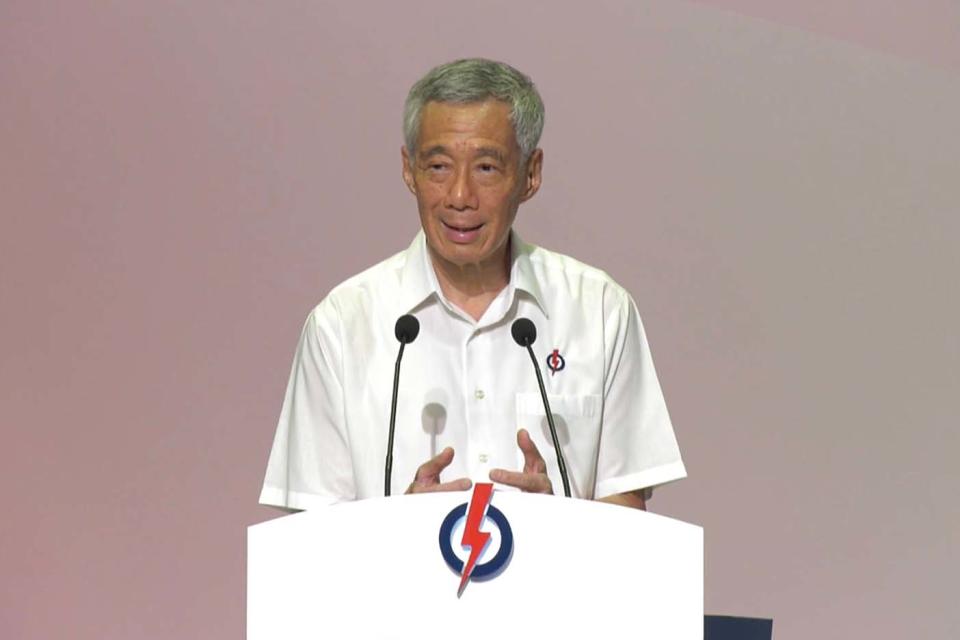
469, 409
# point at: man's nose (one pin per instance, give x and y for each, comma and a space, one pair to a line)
462, 194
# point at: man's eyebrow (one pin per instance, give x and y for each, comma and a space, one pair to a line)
491, 152
480, 152
434, 150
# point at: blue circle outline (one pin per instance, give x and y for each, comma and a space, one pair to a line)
559, 367
490, 568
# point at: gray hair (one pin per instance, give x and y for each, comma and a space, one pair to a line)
475, 80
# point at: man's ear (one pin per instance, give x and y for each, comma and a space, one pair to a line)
408, 170
533, 174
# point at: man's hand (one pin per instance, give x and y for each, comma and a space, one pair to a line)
533, 478
633, 499
428, 475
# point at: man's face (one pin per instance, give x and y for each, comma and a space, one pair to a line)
468, 180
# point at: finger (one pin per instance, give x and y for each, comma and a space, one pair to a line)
532, 460
529, 482
432, 467
460, 484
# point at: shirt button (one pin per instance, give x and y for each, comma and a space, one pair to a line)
479, 394
483, 457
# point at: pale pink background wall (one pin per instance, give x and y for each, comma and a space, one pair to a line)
776, 183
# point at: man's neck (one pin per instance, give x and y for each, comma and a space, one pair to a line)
473, 287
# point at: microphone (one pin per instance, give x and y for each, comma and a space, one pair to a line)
525, 334
406, 331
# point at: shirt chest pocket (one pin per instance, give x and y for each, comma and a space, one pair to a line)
577, 418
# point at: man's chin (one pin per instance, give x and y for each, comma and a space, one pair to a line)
459, 255
462, 259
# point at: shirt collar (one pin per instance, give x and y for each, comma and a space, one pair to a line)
522, 276
418, 280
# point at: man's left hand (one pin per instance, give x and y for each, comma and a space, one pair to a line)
533, 478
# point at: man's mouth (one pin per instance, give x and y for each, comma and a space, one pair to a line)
462, 229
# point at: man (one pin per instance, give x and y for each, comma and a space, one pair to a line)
469, 409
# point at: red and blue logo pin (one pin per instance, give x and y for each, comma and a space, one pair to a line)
555, 362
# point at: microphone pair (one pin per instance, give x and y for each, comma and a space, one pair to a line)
524, 333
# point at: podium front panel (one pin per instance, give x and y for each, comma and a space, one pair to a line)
374, 569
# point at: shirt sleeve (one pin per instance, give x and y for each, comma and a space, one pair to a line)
310, 462
638, 448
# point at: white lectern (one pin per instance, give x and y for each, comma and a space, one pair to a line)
375, 569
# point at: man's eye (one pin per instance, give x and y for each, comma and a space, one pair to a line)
487, 168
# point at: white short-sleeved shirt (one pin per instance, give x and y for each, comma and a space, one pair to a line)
466, 384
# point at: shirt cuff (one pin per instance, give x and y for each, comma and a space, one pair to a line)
647, 478
277, 497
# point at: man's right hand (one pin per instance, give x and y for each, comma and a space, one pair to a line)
428, 475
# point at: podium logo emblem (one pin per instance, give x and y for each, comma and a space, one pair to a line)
475, 517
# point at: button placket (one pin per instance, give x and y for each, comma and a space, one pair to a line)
479, 406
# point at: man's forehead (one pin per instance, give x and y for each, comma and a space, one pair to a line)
482, 126
491, 104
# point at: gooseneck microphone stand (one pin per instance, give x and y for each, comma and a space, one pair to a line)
524, 334
406, 330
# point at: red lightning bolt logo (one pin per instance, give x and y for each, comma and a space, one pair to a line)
472, 536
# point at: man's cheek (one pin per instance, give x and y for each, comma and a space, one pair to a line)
431, 194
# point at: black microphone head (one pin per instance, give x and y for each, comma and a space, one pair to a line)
524, 332
407, 328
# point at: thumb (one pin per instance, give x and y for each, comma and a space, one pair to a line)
532, 460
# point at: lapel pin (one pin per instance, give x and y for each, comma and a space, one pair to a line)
556, 362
